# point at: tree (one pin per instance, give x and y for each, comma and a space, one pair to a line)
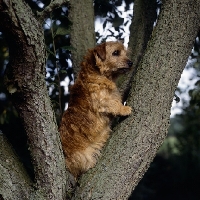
174, 172
135, 140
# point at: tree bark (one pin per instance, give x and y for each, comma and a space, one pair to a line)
141, 28
13, 178
25, 79
82, 35
136, 140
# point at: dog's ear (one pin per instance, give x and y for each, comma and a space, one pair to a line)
100, 51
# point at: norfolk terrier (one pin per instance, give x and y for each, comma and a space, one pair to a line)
94, 99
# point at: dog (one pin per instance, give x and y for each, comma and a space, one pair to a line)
94, 99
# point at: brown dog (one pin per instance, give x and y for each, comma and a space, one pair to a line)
85, 125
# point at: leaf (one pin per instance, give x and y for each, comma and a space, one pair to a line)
126, 23
53, 83
177, 98
118, 21
104, 24
197, 65
70, 48
63, 71
111, 31
62, 30
48, 50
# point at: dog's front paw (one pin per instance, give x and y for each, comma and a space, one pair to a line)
125, 110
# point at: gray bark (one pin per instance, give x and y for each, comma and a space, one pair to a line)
82, 35
25, 79
144, 16
136, 140
13, 177
141, 27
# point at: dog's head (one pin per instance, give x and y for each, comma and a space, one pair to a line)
111, 58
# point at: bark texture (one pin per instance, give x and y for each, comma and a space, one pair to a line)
135, 141
11, 171
25, 79
144, 16
141, 28
82, 31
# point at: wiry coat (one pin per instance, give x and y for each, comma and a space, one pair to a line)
94, 97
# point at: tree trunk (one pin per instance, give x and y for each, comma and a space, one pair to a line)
141, 28
25, 79
13, 178
136, 140
82, 31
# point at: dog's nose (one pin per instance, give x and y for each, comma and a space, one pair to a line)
129, 63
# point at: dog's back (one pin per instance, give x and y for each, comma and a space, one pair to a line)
94, 97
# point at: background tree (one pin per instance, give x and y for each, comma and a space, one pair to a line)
135, 140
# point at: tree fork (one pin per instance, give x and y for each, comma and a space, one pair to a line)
135, 141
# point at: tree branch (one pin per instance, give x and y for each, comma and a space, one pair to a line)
136, 140
141, 28
82, 31
47, 10
14, 180
144, 16
25, 78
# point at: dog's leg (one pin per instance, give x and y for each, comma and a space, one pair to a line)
114, 107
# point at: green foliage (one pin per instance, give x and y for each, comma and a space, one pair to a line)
61, 30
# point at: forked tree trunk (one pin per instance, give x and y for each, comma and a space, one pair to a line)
135, 141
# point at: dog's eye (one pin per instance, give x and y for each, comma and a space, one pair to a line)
115, 53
